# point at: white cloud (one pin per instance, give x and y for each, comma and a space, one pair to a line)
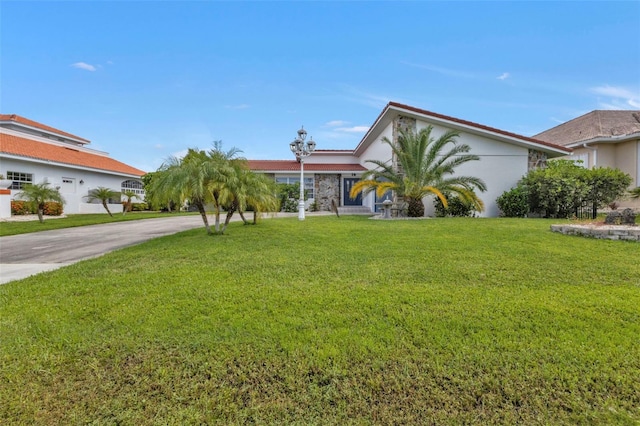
84, 66
618, 97
336, 123
440, 70
504, 76
354, 129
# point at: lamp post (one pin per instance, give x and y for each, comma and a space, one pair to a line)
302, 150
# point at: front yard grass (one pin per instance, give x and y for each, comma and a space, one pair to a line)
331, 321
73, 220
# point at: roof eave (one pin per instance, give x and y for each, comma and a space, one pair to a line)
608, 139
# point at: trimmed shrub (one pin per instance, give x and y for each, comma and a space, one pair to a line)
514, 203
21, 207
139, 207
52, 208
456, 207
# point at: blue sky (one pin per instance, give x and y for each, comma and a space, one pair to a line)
144, 80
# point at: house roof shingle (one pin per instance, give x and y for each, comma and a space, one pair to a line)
593, 125
294, 166
14, 118
71, 155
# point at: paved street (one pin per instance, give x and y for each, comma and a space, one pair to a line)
28, 254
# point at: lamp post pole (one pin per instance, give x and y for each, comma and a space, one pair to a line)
302, 150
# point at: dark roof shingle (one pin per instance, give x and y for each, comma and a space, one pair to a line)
595, 124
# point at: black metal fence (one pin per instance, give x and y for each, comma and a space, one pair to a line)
586, 210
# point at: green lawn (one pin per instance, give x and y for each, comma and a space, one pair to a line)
18, 227
331, 321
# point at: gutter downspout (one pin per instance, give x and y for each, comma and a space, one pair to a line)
595, 154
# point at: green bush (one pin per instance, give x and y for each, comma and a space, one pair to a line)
456, 207
514, 203
559, 190
139, 207
288, 195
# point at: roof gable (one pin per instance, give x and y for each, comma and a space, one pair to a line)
393, 109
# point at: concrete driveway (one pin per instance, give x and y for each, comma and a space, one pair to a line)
29, 254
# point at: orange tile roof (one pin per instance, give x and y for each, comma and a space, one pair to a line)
23, 147
21, 120
294, 166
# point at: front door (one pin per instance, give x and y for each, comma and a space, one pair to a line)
346, 199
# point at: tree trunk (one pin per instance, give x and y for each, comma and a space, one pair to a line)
415, 208
242, 216
216, 205
40, 214
232, 209
203, 214
255, 217
104, 204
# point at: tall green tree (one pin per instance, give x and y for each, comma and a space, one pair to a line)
38, 195
103, 194
426, 165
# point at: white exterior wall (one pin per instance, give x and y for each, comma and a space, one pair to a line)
501, 164
376, 151
322, 158
74, 193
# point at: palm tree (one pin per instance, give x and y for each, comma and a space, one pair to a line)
249, 189
38, 195
260, 194
186, 178
423, 169
103, 194
129, 203
225, 188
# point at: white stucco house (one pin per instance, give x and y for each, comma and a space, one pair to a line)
505, 158
32, 152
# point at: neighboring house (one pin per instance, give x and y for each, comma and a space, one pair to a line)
602, 139
31, 152
505, 158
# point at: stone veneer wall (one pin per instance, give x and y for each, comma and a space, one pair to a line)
537, 159
327, 188
401, 123
606, 232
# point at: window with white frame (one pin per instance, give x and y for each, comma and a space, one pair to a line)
134, 186
308, 183
19, 179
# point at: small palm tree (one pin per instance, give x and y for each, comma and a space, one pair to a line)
635, 193
129, 203
38, 195
423, 169
260, 194
103, 194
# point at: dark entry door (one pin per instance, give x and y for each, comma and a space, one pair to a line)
346, 200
